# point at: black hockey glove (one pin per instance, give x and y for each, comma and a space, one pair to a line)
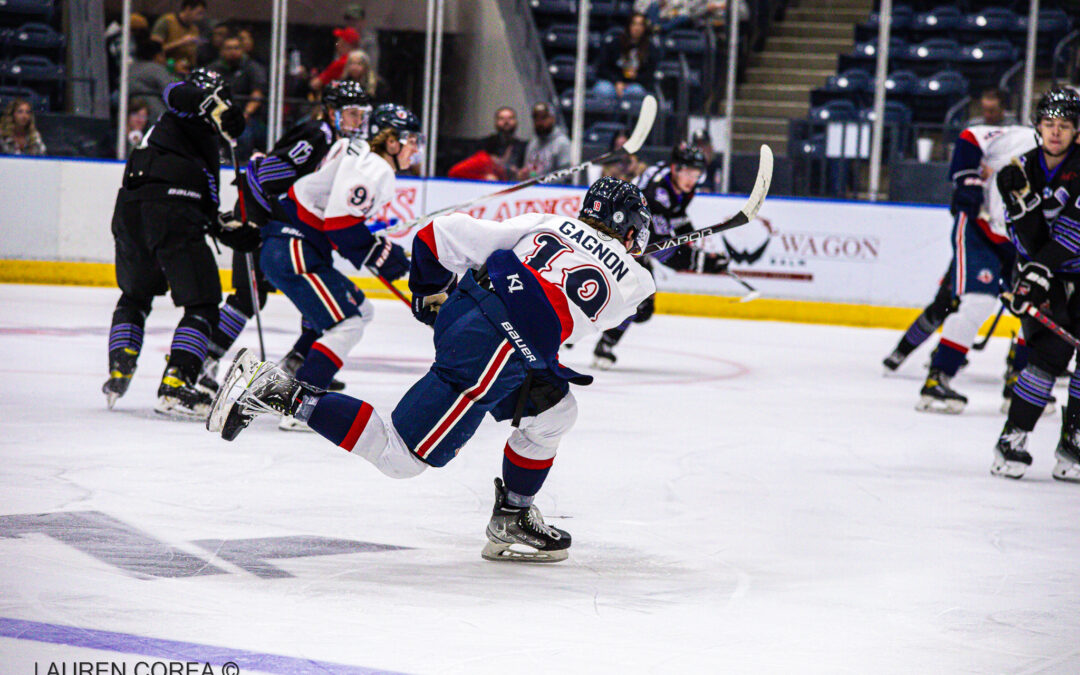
1015, 190
426, 307
232, 122
1031, 289
387, 259
235, 234
704, 262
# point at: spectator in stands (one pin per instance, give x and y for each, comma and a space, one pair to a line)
148, 77
627, 65
248, 84
711, 177
356, 18
138, 121
358, 69
500, 155
992, 106
346, 41
18, 133
178, 32
247, 41
624, 167
549, 149
209, 51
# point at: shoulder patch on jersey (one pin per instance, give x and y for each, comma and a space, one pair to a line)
300, 152
328, 132
661, 195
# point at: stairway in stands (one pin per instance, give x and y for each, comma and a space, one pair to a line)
800, 53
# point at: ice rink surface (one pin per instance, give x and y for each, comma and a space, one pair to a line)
744, 497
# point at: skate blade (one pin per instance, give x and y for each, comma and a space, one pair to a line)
289, 423
1005, 406
173, 408
1066, 471
111, 398
222, 405
600, 363
504, 553
931, 404
1050, 409
1006, 469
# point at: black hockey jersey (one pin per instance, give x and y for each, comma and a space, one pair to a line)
179, 157
668, 208
1049, 233
299, 152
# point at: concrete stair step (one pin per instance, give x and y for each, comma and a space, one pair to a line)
775, 92
793, 60
781, 76
761, 125
839, 16
799, 45
813, 29
748, 107
753, 142
825, 6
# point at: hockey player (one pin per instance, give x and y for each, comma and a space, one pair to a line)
1042, 201
668, 188
982, 255
328, 211
167, 204
527, 285
345, 113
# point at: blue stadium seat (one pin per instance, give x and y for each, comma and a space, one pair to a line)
898, 117
984, 63
43, 8
935, 94
809, 147
603, 133
33, 36
554, 7
604, 8
31, 68
594, 105
864, 55
8, 93
928, 56
563, 66
1054, 24
685, 42
563, 36
834, 111
936, 22
901, 82
992, 22
902, 18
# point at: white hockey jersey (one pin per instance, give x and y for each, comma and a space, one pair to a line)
998, 146
352, 184
587, 278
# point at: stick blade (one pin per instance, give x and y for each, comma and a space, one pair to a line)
644, 125
761, 185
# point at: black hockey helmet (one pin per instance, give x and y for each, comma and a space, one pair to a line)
393, 116
621, 207
209, 80
344, 93
1059, 102
689, 156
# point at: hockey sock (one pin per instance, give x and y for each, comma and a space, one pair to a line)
319, 367
231, 322
921, 329
1072, 412
308, 335
948, 357
1020, 353
191, 342
126, 333
326, 355
338, 418
611, 336
1030, 395
523, 476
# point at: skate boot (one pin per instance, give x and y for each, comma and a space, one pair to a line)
263, 388
893, 361
1011, 458
938, 396
1067, 454
292, 362
207, 381
603, 355
178, 396
121, 368
519, 534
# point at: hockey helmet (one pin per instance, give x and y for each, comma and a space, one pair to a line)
394, 116
689, 156
209, 81
621, 207
344, 93
1059, 102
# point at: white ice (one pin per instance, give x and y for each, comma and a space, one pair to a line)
744, 497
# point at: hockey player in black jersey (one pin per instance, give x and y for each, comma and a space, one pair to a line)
1041, 191
168, 203
345, 111
669, 188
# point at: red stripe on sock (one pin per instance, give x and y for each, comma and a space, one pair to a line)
323, 349
525, 462
358, 426
952, 345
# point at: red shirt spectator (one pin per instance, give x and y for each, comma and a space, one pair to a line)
347, 39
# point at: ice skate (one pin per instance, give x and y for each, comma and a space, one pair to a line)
263, 388
1067, 454
178, 397
207, 381
292, 362
938, 396
519, 534
1011, 458
603, 356
121, 368
894, 360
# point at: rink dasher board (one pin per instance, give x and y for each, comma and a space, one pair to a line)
860, 263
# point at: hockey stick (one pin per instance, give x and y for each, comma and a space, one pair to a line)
1050, 324
637, 138
249, 259
753, 293
744, 216
981, 344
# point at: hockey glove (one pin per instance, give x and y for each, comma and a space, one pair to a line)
235, 234
232, 122
1031, 289
387, 259
645, 309
1015, 190
704, 262
426, 307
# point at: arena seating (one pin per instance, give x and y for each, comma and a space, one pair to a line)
31, 53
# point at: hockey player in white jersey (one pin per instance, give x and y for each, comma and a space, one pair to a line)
982, 256
329, 210
527, 285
